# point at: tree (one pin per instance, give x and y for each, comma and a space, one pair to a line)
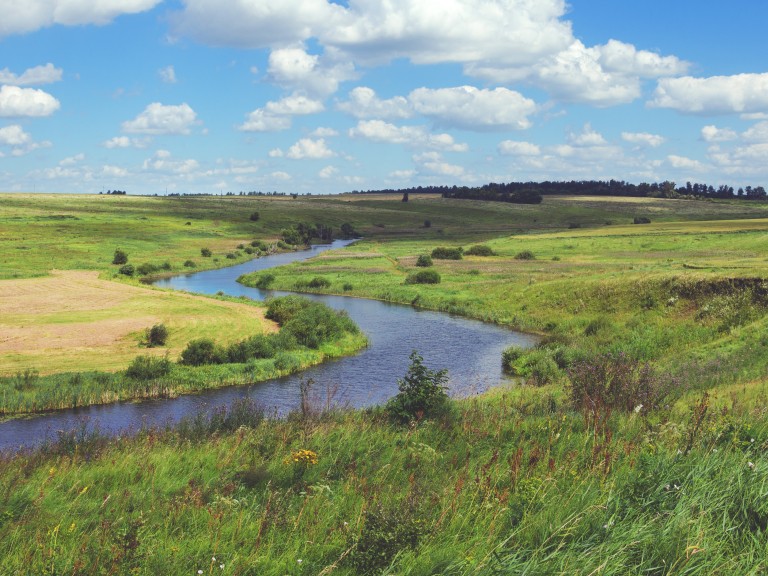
120, 257
422, 392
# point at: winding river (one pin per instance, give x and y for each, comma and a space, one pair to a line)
469, 349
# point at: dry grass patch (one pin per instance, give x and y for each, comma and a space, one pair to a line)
74, 321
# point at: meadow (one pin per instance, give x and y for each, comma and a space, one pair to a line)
532, 478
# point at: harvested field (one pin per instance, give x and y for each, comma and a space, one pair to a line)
75, 321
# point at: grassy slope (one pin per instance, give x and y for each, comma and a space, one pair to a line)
512, 482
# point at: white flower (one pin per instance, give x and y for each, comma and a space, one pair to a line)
199, 571
221, 566
299, 560
751, 465
638, 408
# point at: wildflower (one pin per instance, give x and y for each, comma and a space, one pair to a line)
299, 560
221, 566
638, 408
751, 465
199, 571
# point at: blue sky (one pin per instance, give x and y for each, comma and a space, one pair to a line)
316, 96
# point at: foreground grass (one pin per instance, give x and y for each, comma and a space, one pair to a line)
511, 482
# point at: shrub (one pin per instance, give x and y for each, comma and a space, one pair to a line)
265, 281
120, 257
443, 253
148, 368
422, 392
609, 382
248, 250
260, 346
147, 268
423, 277
205, 252
641, 220
127, 270
480, 250
319, 282
509, 357
427, 224
286, 307
385, 534
157, 335
424, 261
347, 287
260, 245
190, 264
231, 256
317, 323
525, 255
255, 217
202, 351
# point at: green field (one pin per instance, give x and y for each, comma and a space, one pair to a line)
529, 479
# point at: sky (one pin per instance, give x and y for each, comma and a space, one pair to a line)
326, 96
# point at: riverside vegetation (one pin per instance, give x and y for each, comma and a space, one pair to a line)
636, 447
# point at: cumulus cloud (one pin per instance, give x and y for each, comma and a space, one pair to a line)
294, 68
109, 171
471, 108
162, 161
33, 76
757, 133
309, 148
30, 15
643, 139
126, 142
587, 137
168, 75
72, 160
683, 163
323, 132
741, 93
328, 172
276, 115
516, 148
18, 102
364, 103
281, 175
712, 133
158, 119
433, 163
416, 136
19, 141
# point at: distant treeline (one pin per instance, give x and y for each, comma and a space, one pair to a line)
532, 192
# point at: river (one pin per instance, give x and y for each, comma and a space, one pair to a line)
469, 349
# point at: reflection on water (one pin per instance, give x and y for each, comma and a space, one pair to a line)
470, 350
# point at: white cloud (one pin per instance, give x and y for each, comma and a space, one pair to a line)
309, 148
162, 162
328, 172
168, 75
757, 133
276, 153
281, 176
296, 69
19, 141
14, 136
433, 163
416, 136
126, 142
712, 133
33, 76
72, 160
109, 171
683, 163
17, 102
474, 109
623, 58
29, 15
363, 103
276, 115
741, 93
323, 132
158, 119
643, 139
587, 137
514, 148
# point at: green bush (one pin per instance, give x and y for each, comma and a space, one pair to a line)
319, 282
286, 307
148, 368
255, 217
525, 255
424, 261
265, 281
443, 253
205, 252
641, 220
480, 250
260, 346
509, 357
147, 268
317, 323
202, 351
422, 392
157, 335
423, 277
190, 264
347, 287
120, 257
385, 534
127, 270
